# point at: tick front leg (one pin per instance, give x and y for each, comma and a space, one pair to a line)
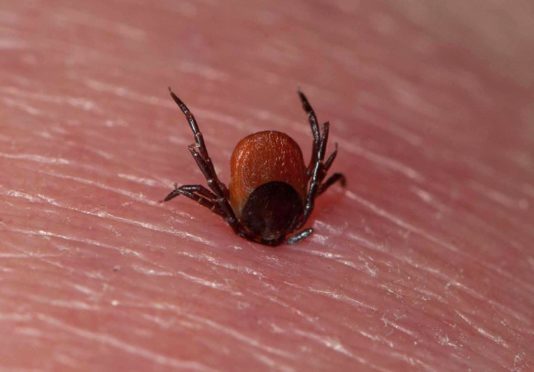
199, 194
314, 125
299, 236
200, 151
198, 189
317, 174
203, 160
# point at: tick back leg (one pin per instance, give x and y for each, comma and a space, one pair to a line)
299, 236
336, 177
330, 160
213, 183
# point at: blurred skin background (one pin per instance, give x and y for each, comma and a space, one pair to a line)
424, 261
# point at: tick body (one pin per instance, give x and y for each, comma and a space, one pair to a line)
271, 192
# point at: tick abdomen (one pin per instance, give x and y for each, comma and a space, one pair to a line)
262, 158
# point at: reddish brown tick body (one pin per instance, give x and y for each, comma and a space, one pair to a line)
272, 191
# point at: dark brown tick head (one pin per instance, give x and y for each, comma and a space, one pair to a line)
272, 210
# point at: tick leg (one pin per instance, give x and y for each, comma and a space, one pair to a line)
203, 160
318, 167
317, 175
173, 194
299, 236
323, 140
336, 177
209, 174
198, 189
312, 118
331, 158
199, 194
216, 185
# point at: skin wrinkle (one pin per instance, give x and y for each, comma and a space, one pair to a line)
445, 279
365, 267
498, 197
492, 358
134, 196
226, 331
497, 339
371, 117
423, 264
76, 102
209, 283
43, 233
493, 176
383, 161
23, 107
69, 304
241, 337
103, 338
335, 296
113, 342
524, 227
507, 311
213, 261
396, 326
448, 282
123, 30
339, 348
35, 158
198, 321
272, 298
160, 102
442, 243
105, 215
476, 164
480, 223
152, 272
86, 291
191, 278
73, 304
63, 268
60, 304
482, 170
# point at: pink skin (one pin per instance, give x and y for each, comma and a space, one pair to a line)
424, 262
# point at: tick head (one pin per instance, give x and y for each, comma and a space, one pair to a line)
272, 211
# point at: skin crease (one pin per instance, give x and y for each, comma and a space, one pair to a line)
424, 262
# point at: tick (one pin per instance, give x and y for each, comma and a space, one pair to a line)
272, 192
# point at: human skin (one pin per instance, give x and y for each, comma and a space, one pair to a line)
424, 262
